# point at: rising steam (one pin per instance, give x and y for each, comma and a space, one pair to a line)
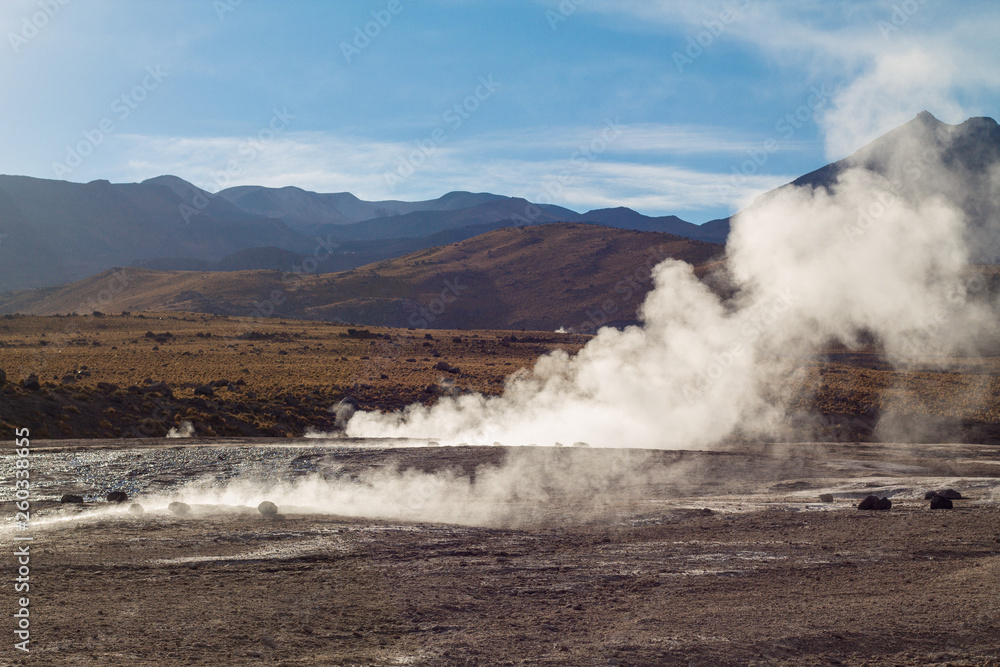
881, 254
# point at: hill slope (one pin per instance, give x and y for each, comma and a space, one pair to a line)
571, 275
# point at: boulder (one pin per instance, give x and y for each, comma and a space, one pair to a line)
868, 503
826, 497
31, 383
882, 504
930, 494
267, 508
204, 390
117, 497
3, 378
179, 508
941, 503
71, 498
951, 494
136, 508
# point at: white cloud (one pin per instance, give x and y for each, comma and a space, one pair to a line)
632, 169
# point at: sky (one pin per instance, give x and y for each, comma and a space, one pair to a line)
670, 108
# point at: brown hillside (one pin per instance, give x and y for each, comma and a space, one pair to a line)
577, 276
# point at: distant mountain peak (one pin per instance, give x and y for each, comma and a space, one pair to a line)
928, 118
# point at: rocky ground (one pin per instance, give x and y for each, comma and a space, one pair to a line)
675, 558
135, 376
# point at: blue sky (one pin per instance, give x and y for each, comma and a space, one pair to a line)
686, 108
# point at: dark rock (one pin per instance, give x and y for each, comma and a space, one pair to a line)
106, 387
3, 378
69, 377
179, 508
267, 508
882, 504
868, 503
826, 497
117, 497
951, 494
204, 390
161, 388
446, 367
941, 503
71, 498
929, 495
31, 383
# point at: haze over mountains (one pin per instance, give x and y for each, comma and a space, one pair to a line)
53, 232
57, 232
513, 276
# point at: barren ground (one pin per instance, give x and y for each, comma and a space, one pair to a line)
732, 562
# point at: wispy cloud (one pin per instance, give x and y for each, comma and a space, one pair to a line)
519, 165
890, 59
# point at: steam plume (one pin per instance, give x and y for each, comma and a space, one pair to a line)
881, 252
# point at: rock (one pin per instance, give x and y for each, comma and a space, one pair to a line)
868, 503
3, 378
106, 387
941, 503
446, 367
31, 383
826, 497
117, 497
179, 508
929, 495
161, 388
204, 390
136, 508
951, 494
267, 508
882, 504
71, 498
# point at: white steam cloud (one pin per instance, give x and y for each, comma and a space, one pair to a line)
530, 486
883, 254
186, 430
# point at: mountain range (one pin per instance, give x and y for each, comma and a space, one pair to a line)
231, 251
511, 275
52, 232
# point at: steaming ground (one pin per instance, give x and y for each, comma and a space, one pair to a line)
873, 257
395, 554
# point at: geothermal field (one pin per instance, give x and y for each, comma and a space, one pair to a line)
379, 334
386, 552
